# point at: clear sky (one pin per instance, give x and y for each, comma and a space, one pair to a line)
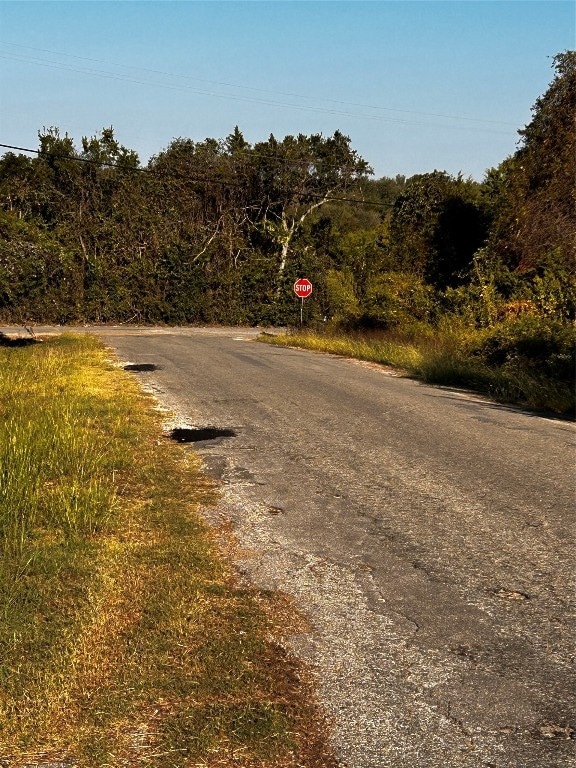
418, 85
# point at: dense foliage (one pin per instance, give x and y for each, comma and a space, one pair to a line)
217, 231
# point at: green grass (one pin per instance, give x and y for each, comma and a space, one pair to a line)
124, 639
452, 358
56, 460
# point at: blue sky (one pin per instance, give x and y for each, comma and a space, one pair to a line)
418, 85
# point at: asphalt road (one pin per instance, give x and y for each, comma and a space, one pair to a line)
427, 533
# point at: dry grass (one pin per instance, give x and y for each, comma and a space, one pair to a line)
126, 641
399, 354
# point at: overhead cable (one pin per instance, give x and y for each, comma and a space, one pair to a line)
267, 102
262, 90
221, 182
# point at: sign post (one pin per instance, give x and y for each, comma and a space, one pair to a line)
302, 289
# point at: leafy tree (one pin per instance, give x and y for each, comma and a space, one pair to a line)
106, 150
534, 194
436, 226
38, 277
16, 183
215, 231
57, 177
294, 177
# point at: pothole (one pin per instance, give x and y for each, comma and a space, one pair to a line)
141, 367
188, 435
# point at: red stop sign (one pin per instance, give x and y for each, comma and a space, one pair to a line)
303, 288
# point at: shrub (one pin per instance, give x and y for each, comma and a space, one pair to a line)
531, 343
393, 298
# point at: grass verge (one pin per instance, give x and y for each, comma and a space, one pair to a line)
449, 359
124, 639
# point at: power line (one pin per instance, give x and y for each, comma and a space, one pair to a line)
222, 182
260, 90
105, 164
266, 102
78, 159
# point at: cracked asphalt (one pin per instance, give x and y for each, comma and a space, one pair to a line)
427, 534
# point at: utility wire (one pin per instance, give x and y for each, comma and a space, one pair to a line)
266, 102
260, 90
78, 159
222, 182
105, 164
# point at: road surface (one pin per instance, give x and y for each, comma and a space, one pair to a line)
427, 533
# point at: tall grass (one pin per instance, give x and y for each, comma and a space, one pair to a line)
56, 470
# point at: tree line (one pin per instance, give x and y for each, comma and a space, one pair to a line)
218, 231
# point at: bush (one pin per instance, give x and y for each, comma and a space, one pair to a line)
394, 298
531, 343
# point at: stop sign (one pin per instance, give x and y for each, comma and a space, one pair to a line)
303, 288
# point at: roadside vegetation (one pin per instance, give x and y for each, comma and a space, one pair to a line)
124, 638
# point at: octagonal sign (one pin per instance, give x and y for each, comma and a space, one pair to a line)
303, 288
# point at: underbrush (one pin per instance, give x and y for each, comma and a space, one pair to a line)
124, 639
528, 361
